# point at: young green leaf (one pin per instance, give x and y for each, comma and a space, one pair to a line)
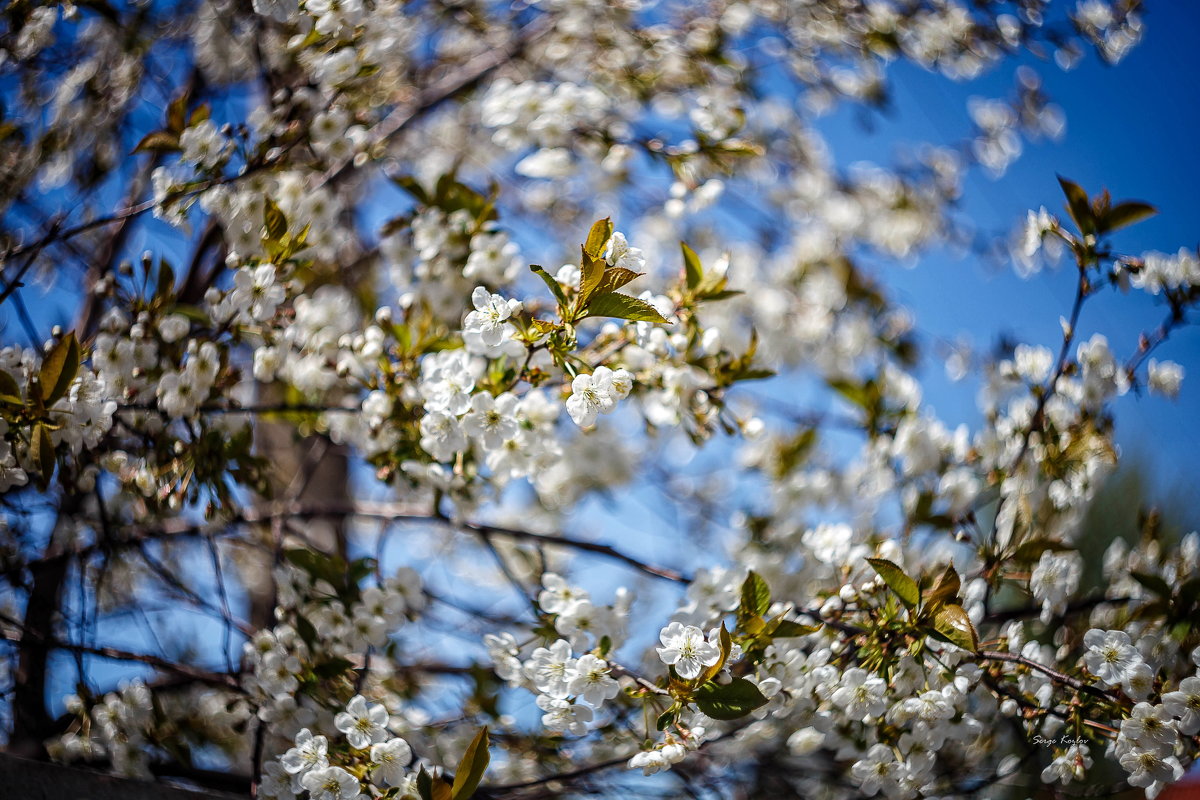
431, 788
788, 628
953, 623
1032, 550
904, 586
726, 648
1078, 206
598, 237
158, 142
623, 306
10, 392
165, 284
1126, 213
555, 287
41, 450
614, 278
330, 569
693, 270
945, 590
274, 220
332, 668
729, 701
591, 273
667, 718
1154, 583
471, 767
756, 596
59, 368
411, 185
176, 112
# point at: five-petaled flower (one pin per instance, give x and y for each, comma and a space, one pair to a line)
685, 648
363, 725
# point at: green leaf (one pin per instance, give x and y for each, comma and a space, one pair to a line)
274, 221
726, 648
864, 395
1126, 213
411, 185
953, 623
591, 273
598, 237
332, 668
332, 570
1189, 593
756, 596
10, 392
471, 767
431, 788
158, 142
904, 586
166, 279
788, 628
718, 294
59, 368
1152, 582
692, 268
1078, 206
306, 630
604, 646
616, 277
623, 306
1033, 549
555, 287
945, 590
41, 450
666, 718
729, 701
754, 374
199, 114
176, 112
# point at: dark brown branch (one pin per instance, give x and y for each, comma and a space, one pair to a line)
394, 513
32, 722
1055, 675
166, 665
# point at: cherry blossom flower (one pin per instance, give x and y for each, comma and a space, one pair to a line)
685, 648
331, 783
1110, 655
490, 317
388, 761
363, 725
309, 753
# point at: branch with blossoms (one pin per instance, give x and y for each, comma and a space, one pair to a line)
855, 597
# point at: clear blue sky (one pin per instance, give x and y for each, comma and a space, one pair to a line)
1131, 127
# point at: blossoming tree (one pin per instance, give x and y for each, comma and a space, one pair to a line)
333, 412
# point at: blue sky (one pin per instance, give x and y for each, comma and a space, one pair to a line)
1130, 127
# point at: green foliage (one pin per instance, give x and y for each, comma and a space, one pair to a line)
952, 623
756, 597
59, 368
623, 306
730, 700
904, 586
1098, 215
471, 767
692, 268
41, 449
431, 788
